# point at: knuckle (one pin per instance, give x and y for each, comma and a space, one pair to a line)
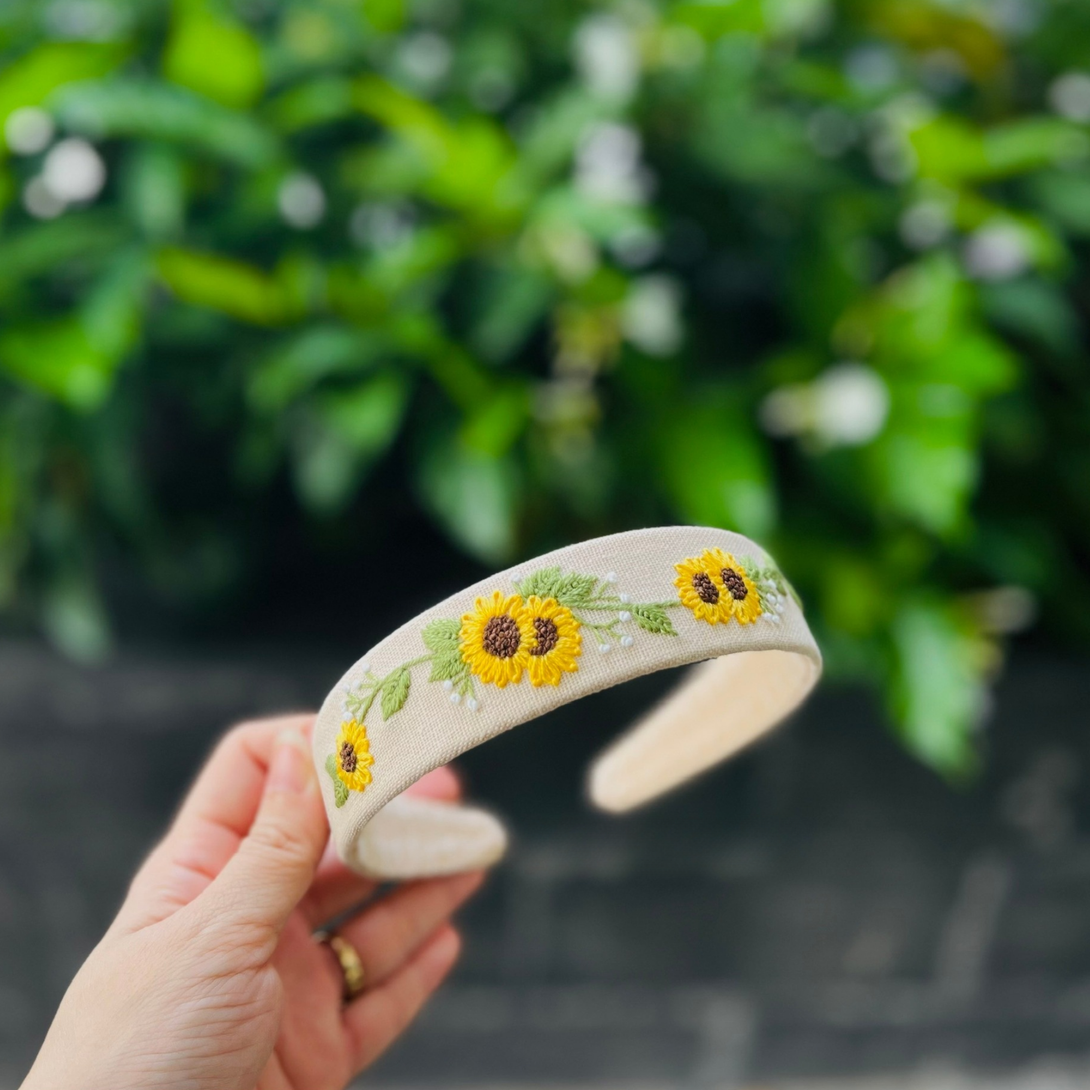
281, 839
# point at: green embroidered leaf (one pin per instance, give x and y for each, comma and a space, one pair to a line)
395, 691
652, 617
749, 565
340, 792
574, 590
442, 636
448, 667
542, 583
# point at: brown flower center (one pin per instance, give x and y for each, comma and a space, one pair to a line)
349, 757
705, 589
547, 636
734, 583
501, 637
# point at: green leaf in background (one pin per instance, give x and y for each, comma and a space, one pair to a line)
38, 248
60, 359
154, 181
139, 108
342, 433
497, 424
31, 79
715, 467
213, 55
474, 496
938, 691
386, 16
74, 616
226, 285
302, 360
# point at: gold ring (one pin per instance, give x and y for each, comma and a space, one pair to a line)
348, 957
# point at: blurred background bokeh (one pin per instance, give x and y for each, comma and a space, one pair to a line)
313, 311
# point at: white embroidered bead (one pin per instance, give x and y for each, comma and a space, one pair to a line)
471, 703
611, 577
627, 641
624, 615
365, 667
448, 685
456, 698
624, 598
605, 648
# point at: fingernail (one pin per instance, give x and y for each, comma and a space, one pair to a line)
292, 769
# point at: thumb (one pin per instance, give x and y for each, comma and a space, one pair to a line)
275, 863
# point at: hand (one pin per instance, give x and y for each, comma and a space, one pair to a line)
210, 977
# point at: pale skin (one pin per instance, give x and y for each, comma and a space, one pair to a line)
210, 978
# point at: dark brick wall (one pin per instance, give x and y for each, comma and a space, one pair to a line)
821, 908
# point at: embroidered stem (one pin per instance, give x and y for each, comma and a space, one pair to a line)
393, 689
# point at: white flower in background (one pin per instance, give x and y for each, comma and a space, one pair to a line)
381, 226
301, 201
40, 202
852, 403
606, 57
569, 250
425, 57
651, 317
1003, 611
889, 146
845, 406
925, 224
997, 251
1069, 96
73, 171
28, 130
608, 166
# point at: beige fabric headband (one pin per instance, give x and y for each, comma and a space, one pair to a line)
542, 634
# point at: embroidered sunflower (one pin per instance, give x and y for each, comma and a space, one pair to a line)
353, 755
716, 588
495, 640
557, 641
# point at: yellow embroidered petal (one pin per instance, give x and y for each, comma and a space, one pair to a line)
739, 593
698, 591
715, 587
496, 638
557, 641
352, 753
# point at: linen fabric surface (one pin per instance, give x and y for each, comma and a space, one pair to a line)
584, 617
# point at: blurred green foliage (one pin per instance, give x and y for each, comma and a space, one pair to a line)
808, 269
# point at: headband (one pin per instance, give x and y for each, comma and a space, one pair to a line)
541, 634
